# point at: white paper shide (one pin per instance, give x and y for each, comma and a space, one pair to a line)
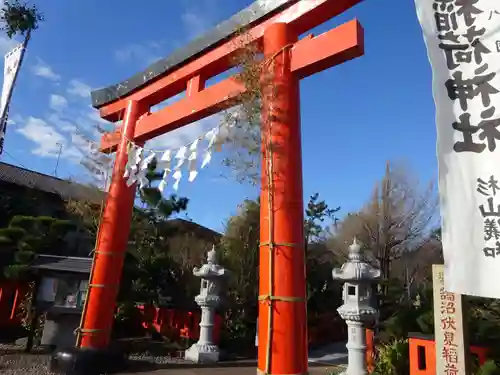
12, 62
463, 45
176, 164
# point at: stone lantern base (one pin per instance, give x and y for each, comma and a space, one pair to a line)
202, 353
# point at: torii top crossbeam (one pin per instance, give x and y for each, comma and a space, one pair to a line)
211, 54
274, 26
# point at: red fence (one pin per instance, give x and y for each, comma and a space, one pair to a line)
174, 324
11, 295
423, 354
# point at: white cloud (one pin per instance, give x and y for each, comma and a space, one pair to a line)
48, 141
78, 88
58, 102
144, 53
43, 70
56, 120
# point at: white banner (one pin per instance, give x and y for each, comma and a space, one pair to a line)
463, 45
12, 63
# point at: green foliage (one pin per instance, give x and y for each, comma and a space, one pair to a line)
19, 17
27, 236
322, 291
316, 213
150, 273
489, 368
240, 254
153, 198
393, 358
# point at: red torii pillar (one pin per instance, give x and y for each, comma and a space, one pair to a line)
282, 317
282, 311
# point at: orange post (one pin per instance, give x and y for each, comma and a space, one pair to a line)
282, 324
111, 245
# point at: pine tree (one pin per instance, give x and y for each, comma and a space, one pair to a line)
153, 198
19, 17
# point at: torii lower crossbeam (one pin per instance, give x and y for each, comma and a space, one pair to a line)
283, 326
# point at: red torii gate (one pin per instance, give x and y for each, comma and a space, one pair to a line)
275, 28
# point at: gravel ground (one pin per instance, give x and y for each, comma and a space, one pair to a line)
13, 361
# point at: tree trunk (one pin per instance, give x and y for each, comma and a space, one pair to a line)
33, 315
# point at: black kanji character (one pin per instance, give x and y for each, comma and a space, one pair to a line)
489, 128
491, 208
466, 89
2, 140
472, 33
479, 50
467, 9
491, 230
460, 88
492, 252
444, 5
483, 187
467, 130
446, 21
491, 14
456, 54
497, 43
493, 185
450, 36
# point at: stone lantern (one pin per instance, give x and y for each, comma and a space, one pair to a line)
358, 277
212, 275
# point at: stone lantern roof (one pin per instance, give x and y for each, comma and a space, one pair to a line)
356, 268
211, 269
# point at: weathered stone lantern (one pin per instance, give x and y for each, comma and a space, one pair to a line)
212, 275
358, 276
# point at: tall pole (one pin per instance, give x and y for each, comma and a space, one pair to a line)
282, 329
111, 245
58, 158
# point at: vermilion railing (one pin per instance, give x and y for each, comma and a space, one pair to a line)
423, 354
11, 296
173, 323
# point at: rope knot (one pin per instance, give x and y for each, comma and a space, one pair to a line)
266, 299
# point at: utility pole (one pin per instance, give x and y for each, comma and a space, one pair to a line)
58, 157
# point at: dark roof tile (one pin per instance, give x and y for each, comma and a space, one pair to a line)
66, 189
61, 263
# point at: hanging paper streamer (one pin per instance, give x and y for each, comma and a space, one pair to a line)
165, 163
211, 136
134, 158
144, 169
193, 151
222, 137
172, 162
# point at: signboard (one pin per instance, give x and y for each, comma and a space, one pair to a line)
463, 46
448, 327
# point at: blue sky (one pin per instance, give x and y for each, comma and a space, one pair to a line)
355, 116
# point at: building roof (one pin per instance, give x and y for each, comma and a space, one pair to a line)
191, 226
63, 264
66, 189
